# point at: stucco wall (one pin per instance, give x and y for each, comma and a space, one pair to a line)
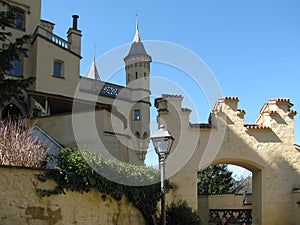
266, 148
92, 131
19, 204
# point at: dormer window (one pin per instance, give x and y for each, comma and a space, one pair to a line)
19, 18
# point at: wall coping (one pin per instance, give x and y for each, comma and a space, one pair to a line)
23, 167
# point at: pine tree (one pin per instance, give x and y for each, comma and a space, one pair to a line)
14, 49
215, 180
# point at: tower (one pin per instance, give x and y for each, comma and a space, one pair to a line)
137, 67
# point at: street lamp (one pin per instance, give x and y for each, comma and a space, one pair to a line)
162, 141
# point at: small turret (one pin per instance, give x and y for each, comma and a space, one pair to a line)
137, 66
137, 61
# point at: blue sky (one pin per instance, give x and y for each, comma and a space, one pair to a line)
251, 46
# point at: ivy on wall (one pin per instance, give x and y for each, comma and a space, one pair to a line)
74, 171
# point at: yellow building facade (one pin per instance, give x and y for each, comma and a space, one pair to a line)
85, 112
60, 96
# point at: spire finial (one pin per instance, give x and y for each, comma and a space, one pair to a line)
137, 37
94, 52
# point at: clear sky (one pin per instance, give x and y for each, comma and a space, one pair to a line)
251, 46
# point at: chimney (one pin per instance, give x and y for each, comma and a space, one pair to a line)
74, 36
75, 21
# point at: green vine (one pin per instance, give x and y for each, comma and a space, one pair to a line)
74, 171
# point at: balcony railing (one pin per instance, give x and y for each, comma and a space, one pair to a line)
104, 89
51, 37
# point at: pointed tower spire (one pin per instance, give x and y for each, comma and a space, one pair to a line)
93, 72
137, 37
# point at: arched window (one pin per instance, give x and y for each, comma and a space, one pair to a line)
11, 111
137, 134
145, 135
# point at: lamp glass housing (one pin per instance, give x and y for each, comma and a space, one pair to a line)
162, 141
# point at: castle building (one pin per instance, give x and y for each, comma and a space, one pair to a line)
120, 114
70, 110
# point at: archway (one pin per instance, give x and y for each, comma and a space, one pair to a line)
237, 206
11, 111
266, 148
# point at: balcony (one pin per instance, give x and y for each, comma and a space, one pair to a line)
39, 31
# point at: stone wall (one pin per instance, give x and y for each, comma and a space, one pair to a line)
20, 204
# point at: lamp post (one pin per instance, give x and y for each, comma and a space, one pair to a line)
162, 141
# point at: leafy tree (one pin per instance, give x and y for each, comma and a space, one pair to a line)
215, 180
13, 50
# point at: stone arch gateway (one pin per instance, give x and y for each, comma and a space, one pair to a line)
266, 148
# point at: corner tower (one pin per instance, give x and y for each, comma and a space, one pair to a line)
137, 67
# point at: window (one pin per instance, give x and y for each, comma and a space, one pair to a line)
19, 20
16, 69
58, 69
137, 115
136, 75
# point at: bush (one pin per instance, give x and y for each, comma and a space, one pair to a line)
180, 213
18, 147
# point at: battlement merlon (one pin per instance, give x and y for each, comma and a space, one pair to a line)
275, 116
227, 108
276, 111
231, 103
163, 104
171, 106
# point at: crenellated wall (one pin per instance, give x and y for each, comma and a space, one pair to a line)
266, 148
20, 204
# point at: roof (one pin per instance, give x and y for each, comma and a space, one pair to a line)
230, 98
137, 47
172, 96
93, 72
200, 125
48, 142
256, 127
